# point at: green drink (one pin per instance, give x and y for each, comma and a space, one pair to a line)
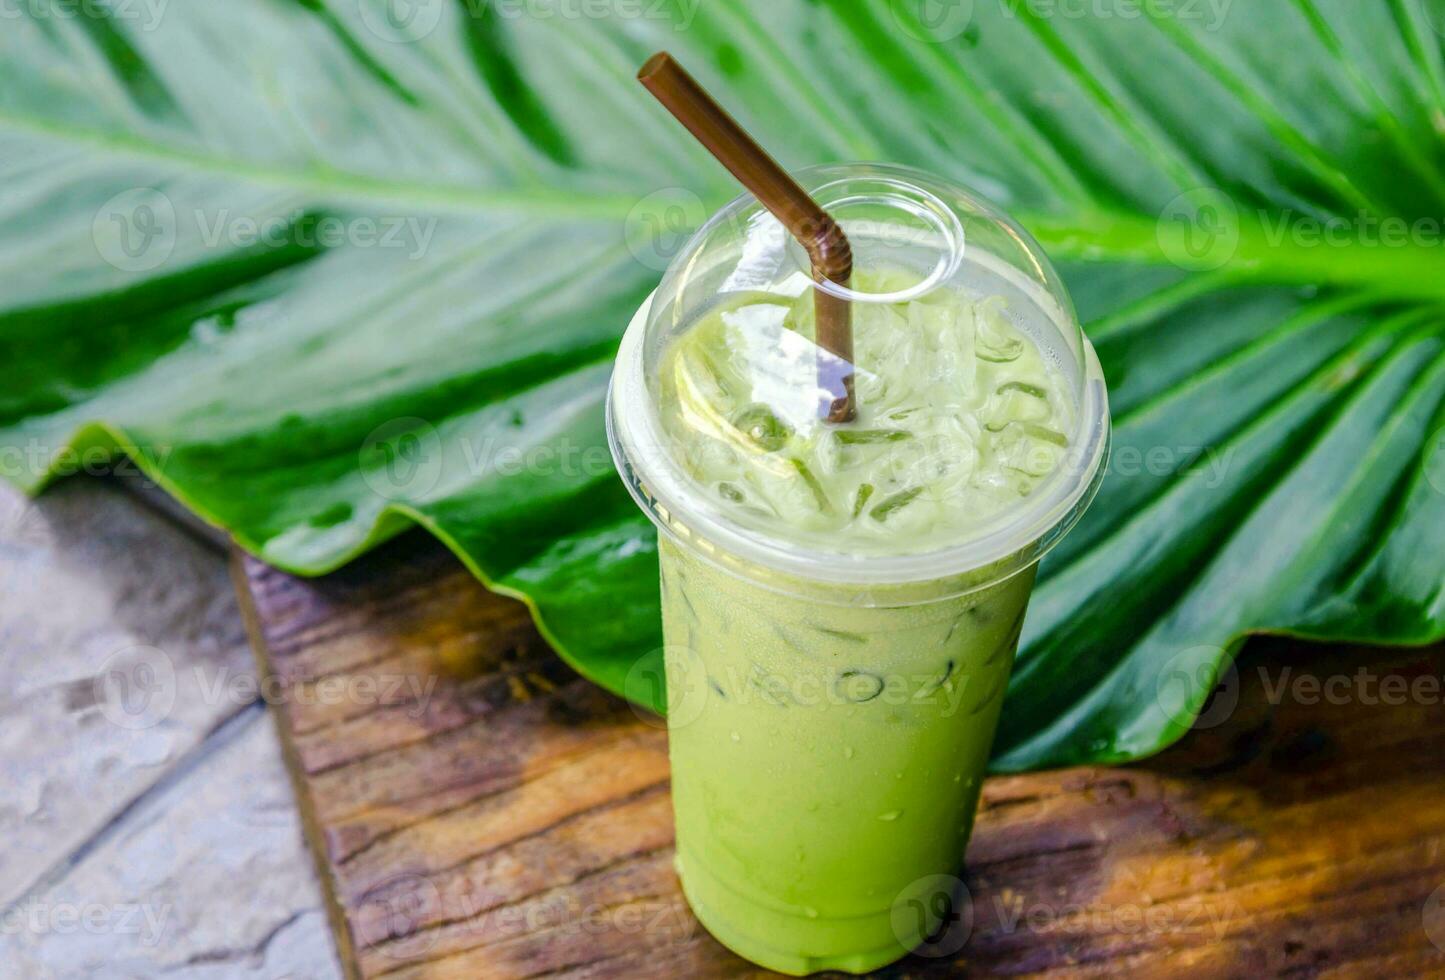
841, 603
827, 787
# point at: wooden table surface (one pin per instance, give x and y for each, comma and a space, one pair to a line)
477, 810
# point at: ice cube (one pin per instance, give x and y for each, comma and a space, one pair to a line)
998, 339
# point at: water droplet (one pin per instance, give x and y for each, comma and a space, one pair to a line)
890, 816
737, 737
810, 912
847, 751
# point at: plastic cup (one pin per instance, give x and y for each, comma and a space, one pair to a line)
832, 708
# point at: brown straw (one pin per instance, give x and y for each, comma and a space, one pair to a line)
813, 227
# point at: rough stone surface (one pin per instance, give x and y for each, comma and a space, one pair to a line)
147, 826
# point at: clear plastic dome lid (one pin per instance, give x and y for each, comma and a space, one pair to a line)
976, 422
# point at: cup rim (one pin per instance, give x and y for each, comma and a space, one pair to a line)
1010, 541
1017, 539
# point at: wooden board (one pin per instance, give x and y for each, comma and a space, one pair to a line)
514, 821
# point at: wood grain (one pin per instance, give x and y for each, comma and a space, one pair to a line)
479, 811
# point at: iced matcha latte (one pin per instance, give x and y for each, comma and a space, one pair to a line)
842, 601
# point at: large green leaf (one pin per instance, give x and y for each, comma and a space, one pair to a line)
1278, 396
